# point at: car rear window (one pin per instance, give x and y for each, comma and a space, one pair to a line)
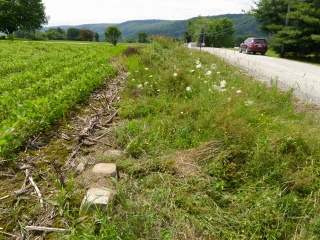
259, 40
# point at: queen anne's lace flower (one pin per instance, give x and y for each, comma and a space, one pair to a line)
249, 103
208, 73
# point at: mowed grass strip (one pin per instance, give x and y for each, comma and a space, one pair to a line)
39, 82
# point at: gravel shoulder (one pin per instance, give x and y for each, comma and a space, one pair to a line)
304, 78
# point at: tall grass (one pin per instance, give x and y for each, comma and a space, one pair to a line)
214, 153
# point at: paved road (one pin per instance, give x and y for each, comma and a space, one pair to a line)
303, 77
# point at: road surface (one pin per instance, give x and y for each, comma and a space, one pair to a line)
304, 78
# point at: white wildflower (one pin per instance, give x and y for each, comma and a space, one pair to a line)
208, 73
198, 61
140, 86
239, 91
198, 66
216, 87
191, 70
133, 79
146, 83
213, 66
146, 69
218, 72
229, 99
151, 76
188, 89
175, 74
223, 84
249, 103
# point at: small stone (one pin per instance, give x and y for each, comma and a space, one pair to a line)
80, 168
108, 169
113, 153
97, 198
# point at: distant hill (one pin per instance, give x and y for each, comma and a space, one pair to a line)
244, 25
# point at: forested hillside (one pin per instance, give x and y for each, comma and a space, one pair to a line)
244, 25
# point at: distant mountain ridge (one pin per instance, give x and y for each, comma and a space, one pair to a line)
244, 25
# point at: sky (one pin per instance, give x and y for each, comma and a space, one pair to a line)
77, 12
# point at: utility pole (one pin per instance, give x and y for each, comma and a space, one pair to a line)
287, 24
202, 37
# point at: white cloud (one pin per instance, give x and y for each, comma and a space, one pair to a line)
74, 12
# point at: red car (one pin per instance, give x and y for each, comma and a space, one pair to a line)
254, 45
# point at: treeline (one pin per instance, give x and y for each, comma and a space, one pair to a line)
293, 26
210, 32
58, 33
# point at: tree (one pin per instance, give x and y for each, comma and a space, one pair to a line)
34, 35
21, 14
213, 32
220, 33
112, 34
56, 33
73, 33
142, 37
86, 34
96, 37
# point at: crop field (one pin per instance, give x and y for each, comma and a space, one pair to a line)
39, 82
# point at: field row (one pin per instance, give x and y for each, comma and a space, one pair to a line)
39, 82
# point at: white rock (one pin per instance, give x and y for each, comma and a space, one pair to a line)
97, 198
108, 169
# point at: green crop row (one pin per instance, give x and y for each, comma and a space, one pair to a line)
39, 82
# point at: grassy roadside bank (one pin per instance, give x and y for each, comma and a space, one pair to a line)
215, 154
